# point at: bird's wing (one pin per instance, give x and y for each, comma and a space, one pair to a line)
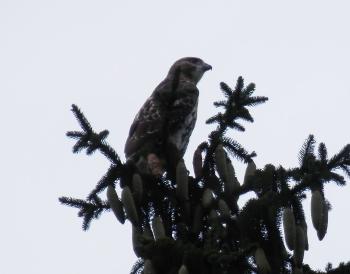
184, 103
148, 125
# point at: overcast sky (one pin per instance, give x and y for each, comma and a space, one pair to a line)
107, 57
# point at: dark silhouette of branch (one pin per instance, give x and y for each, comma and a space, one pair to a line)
186, 224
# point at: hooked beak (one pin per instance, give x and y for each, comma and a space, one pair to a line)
206, 67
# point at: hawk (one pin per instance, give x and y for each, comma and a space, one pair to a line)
160, 132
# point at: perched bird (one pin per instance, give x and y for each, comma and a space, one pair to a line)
160, 132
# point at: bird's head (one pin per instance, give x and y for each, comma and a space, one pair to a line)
189, 68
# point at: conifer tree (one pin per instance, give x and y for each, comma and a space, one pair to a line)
193, 224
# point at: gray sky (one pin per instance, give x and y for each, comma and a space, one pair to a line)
107, 57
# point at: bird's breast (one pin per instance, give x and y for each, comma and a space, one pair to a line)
180, 136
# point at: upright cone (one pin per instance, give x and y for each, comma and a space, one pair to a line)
304, 226
289, 227
220, 162
250, 170
324, 225
231, 184
317, 210
182, 182
261, 261
183, 270
197, 219
207, 198
137, 186
213, 216
198, 163
299, 248
224, 209
129, 205
115, 204
158, 228
147, 233
136, 243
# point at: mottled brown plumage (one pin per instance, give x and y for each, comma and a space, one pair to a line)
163, 126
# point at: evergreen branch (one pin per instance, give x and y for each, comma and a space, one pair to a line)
254, 101
338, 179
322, 152
137, 267
345, 169
295, 173
237, 150
214, 119
237, 126
248, 91
84, 123
227, 91
306, 150
72, 202
87, 218
91, 141
298, 209
113, 174
227, 243
239, 85
244, 114
220, 103
81, 144
234, 105
88, 210
110, 153
75, 134
341, 269
341, 158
